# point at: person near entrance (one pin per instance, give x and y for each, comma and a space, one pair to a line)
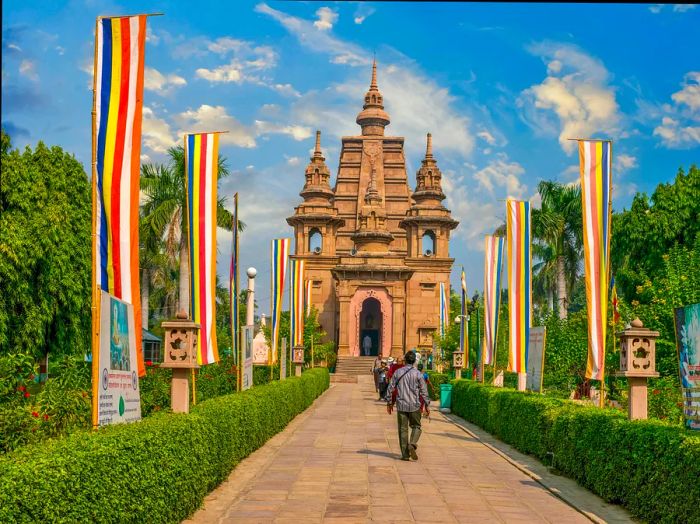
366, 345
375, 371
410, 389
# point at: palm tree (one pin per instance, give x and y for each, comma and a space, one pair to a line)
557, 226
164, 211
544, 275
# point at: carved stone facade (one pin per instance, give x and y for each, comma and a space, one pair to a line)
375, 252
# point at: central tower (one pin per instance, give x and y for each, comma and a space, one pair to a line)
376, 288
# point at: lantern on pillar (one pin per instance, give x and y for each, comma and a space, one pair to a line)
458, 363
637, 364
180, 354
298, 359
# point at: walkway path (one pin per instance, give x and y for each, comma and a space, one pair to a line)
337, 462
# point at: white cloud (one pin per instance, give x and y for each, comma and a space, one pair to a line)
680, 121
502, 173
246, 62
487, 137
363, 12
161, 84
14, 47
151, 37
624, 162
286, 90
326, 18
27, 68
157, 135
60, 50
682, 8
316, 39
477, 216
224, 73
297, 132
293, 160
215, 118
656, 8
575, 99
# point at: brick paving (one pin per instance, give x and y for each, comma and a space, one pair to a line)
338, 462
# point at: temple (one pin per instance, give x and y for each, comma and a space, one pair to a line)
375, 252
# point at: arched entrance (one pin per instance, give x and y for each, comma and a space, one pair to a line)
370, 315
370, 327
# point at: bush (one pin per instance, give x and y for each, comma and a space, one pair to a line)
159, 469
649, 467
434, 386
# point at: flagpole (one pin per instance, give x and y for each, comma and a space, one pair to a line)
237, 323
93, 285
609, 235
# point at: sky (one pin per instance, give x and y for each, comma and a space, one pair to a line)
500, 87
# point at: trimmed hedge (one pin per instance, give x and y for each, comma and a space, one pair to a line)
649, 467
156, 470
435, 380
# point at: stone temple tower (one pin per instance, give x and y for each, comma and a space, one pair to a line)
375, 252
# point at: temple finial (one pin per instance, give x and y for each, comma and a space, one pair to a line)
317, 150
373, 84
429, 147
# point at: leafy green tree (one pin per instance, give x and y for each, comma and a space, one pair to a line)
45, 252
557, 229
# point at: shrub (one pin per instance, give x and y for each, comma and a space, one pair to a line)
159, 469
434, 386
648, 466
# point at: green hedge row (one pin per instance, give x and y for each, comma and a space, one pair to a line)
436, 379
651, 468
156, 470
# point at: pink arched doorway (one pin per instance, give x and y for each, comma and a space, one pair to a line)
370, 307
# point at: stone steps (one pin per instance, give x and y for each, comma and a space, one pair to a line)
354, 366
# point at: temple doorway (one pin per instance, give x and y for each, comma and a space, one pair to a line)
370, 327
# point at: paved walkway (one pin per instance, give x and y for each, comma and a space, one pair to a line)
337, 462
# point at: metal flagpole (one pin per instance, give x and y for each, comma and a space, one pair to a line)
95, 336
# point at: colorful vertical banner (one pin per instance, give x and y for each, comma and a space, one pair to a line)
234, 289
493, 264
307, 300
296, 303
687, 324
279, 255
464, 325
595, 160
444, 309
201, 175
519, 283
118, 103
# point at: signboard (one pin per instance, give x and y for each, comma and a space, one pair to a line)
535, 359
118, 398
283, 360
247, 333
687, 322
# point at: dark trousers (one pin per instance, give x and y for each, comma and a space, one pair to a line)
406, 419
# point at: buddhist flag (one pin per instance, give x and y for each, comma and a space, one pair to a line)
118, 103
519, 282
464, 325
296, 303
307, 300
595, 160
493, 262
615, 302
444, 311
279, 254
201, 176
234, 283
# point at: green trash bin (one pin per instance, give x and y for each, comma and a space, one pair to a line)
445, 396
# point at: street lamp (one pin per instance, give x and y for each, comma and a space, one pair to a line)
458, 356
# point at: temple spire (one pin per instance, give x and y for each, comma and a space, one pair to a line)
317, 149
373, 83
429, 147
373, 119
372, 195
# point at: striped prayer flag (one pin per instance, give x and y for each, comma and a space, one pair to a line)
595, 161
201, 176
307, 300
118, 103
444, 311
279, 254
464, 325
234, 285
493, 263
519, 283
296, 303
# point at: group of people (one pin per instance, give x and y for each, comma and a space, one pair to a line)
404, 385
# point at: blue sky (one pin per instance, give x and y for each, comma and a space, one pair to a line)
500, 87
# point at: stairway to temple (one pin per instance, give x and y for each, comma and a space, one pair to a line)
347, 369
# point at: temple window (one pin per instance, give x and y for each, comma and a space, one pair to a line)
428, 243
315, 241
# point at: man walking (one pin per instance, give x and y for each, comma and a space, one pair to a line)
410, 388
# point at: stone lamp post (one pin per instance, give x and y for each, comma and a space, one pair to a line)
458, 363
180, 354
298, 359
637, 364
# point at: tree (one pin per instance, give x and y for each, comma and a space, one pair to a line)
45, 252
164, 211
557, 226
